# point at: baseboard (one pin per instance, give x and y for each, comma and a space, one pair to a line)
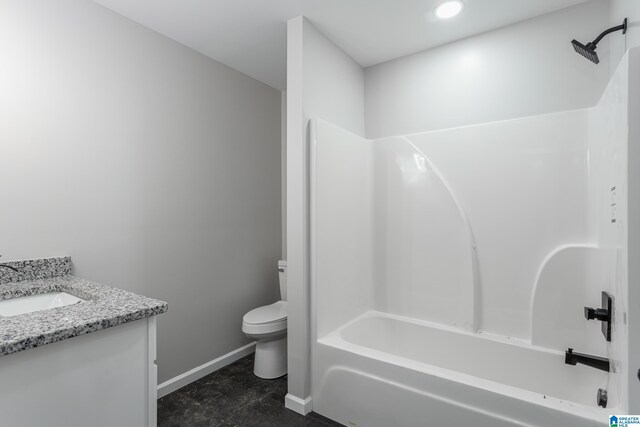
195, 374
302, 407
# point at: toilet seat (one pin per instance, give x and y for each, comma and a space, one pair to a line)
267, 319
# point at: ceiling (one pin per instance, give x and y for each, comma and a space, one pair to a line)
250, 35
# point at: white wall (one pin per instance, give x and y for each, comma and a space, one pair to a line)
322, 82
524, 69
620, 43
154, 167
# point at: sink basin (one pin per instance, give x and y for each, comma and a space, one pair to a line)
22, 305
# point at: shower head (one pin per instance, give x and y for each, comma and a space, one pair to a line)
589, 50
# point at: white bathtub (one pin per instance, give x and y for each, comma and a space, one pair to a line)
387, 371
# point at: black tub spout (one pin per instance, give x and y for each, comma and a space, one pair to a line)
571, 358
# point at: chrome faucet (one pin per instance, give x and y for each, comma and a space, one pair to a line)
8, 266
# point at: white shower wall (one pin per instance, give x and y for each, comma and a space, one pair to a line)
460, 220
509, 228
425, 259
344, 189
522, 185
609, 166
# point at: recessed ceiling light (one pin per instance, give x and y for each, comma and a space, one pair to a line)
448, 9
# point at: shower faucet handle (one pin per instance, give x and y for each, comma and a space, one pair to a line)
601, 314
604, 314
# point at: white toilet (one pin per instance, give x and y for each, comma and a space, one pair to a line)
267, 325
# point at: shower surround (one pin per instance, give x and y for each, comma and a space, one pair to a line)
450, 269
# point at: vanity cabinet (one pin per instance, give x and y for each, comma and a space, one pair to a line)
106, 378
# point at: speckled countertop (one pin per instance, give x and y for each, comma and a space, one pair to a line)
104, 306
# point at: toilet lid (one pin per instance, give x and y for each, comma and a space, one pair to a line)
267, 314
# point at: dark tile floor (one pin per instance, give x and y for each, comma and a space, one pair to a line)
233, 396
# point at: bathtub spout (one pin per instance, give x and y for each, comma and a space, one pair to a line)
571, 358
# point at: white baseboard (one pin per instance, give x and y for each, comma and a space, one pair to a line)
195, 374
302, 407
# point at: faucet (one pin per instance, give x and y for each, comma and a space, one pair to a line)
8, 266
571, 358
604, 314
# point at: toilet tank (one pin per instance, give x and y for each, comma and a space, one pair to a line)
282, 275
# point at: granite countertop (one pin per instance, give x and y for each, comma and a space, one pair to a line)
104, 306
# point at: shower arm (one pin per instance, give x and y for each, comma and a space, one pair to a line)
622, 27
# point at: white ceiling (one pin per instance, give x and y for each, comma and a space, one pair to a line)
250, 35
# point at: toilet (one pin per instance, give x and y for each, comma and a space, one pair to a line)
267, 325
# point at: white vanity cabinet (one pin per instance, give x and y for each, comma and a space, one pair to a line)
105, 378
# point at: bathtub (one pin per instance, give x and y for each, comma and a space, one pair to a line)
381, 370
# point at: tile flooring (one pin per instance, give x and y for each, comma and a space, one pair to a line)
233, 396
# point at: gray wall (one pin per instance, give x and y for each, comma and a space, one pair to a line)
154, 167
527, 68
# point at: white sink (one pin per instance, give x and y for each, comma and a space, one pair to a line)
22, 305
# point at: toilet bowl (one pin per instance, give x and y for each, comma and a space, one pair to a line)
267, 325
